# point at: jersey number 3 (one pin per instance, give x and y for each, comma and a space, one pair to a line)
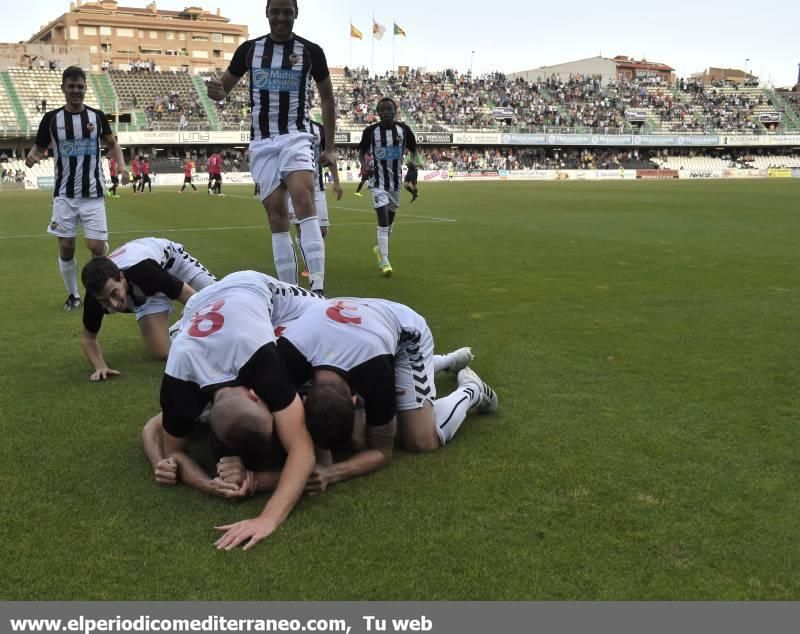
207, 315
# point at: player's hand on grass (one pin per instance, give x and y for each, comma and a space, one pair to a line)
328, 159
166, 472
215, 90
231, 469
337, 189
102, 374
318, 481
246, 533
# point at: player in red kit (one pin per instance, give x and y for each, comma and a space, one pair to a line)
188, 166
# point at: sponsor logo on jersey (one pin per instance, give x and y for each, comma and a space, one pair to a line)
276, 79
78, 147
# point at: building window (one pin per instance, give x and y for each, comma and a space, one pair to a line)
153, 35
200, 54
199, 38
73, 32
90, 30
216, 37
216, 53
228, 56
105, 30
92, 49
124, 32
141, 34
228, 39
170, 35
181, 35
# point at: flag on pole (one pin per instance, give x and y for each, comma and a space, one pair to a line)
398, 30
377, 30
354, 32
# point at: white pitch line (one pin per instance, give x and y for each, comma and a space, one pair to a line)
366, 211
155, 232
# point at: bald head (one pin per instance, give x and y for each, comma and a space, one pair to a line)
241, 421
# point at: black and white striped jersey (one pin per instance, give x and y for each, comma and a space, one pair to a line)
318, 130
280, 82
75, 139
387, 146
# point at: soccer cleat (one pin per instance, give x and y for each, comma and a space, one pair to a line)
488, 398
116, 195
386, 269
459, 359
72, 303
359, 194
220, 194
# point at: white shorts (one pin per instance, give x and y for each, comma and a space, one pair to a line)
413, 370
320, 204
273, 159
382, 198
68, 213
185, 268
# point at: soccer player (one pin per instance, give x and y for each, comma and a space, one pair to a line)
382, 351
320, 201
387, 140
410, 180
137, 175
140, 277
114, 173
144, 168
226, 355
215, 174
188, 167
75, 131
281, 66
364, 171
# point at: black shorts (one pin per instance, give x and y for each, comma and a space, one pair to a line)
146, 178
115, 180
411, 177
216, 177
187, 179
137, 178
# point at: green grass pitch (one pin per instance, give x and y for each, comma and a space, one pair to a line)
643, 340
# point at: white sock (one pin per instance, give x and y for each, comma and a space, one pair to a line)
313, 248
285, 259
383, 243
441, 362
300, 250
69, 271
391, 227
449, 412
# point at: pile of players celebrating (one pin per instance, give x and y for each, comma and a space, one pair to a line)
295, 392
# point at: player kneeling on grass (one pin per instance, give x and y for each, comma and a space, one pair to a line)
383, 352
141, 277
226, 355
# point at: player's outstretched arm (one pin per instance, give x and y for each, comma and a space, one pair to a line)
115, 151
188, 471
165, 469
293, 435
231, 469
91, 348
378, 454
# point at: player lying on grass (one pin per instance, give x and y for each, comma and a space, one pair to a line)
140, 277
382, 351
226, 355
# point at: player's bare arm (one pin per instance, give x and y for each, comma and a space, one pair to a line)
165, 469
93, 352
115, 151
218, 89
34, 156
188, 471
378, 454
328, 104
293, 435
186, 292
231, 469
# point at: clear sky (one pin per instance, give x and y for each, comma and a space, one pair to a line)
516, 34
